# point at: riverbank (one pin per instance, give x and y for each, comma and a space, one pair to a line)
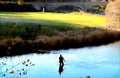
25, 36
64, 40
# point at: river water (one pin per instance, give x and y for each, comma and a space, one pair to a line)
88, 62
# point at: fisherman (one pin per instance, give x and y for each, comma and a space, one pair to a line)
61, 60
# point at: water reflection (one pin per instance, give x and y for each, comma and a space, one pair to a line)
87, 76
61, 68
88, 62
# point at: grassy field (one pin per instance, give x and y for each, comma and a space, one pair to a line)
38, 23
60, 18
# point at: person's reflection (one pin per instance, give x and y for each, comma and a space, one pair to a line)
61, 68
87, 76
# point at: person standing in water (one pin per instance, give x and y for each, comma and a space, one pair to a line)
61, 60
61, 64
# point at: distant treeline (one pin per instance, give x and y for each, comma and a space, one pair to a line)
51, 0
17, 8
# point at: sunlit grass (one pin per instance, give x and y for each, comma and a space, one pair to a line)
14, 24
59, 18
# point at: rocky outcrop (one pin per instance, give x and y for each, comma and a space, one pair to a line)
113, 10
113, 13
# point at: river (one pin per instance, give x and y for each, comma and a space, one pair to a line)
88, 62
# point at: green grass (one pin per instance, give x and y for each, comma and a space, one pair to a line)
44, 18
16, 23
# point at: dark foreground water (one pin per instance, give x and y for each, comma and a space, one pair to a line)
95, 62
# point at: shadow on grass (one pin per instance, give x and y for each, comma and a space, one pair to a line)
29, 29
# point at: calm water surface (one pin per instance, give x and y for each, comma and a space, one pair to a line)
96, 62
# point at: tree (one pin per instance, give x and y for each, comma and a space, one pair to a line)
20, 2
16, 70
